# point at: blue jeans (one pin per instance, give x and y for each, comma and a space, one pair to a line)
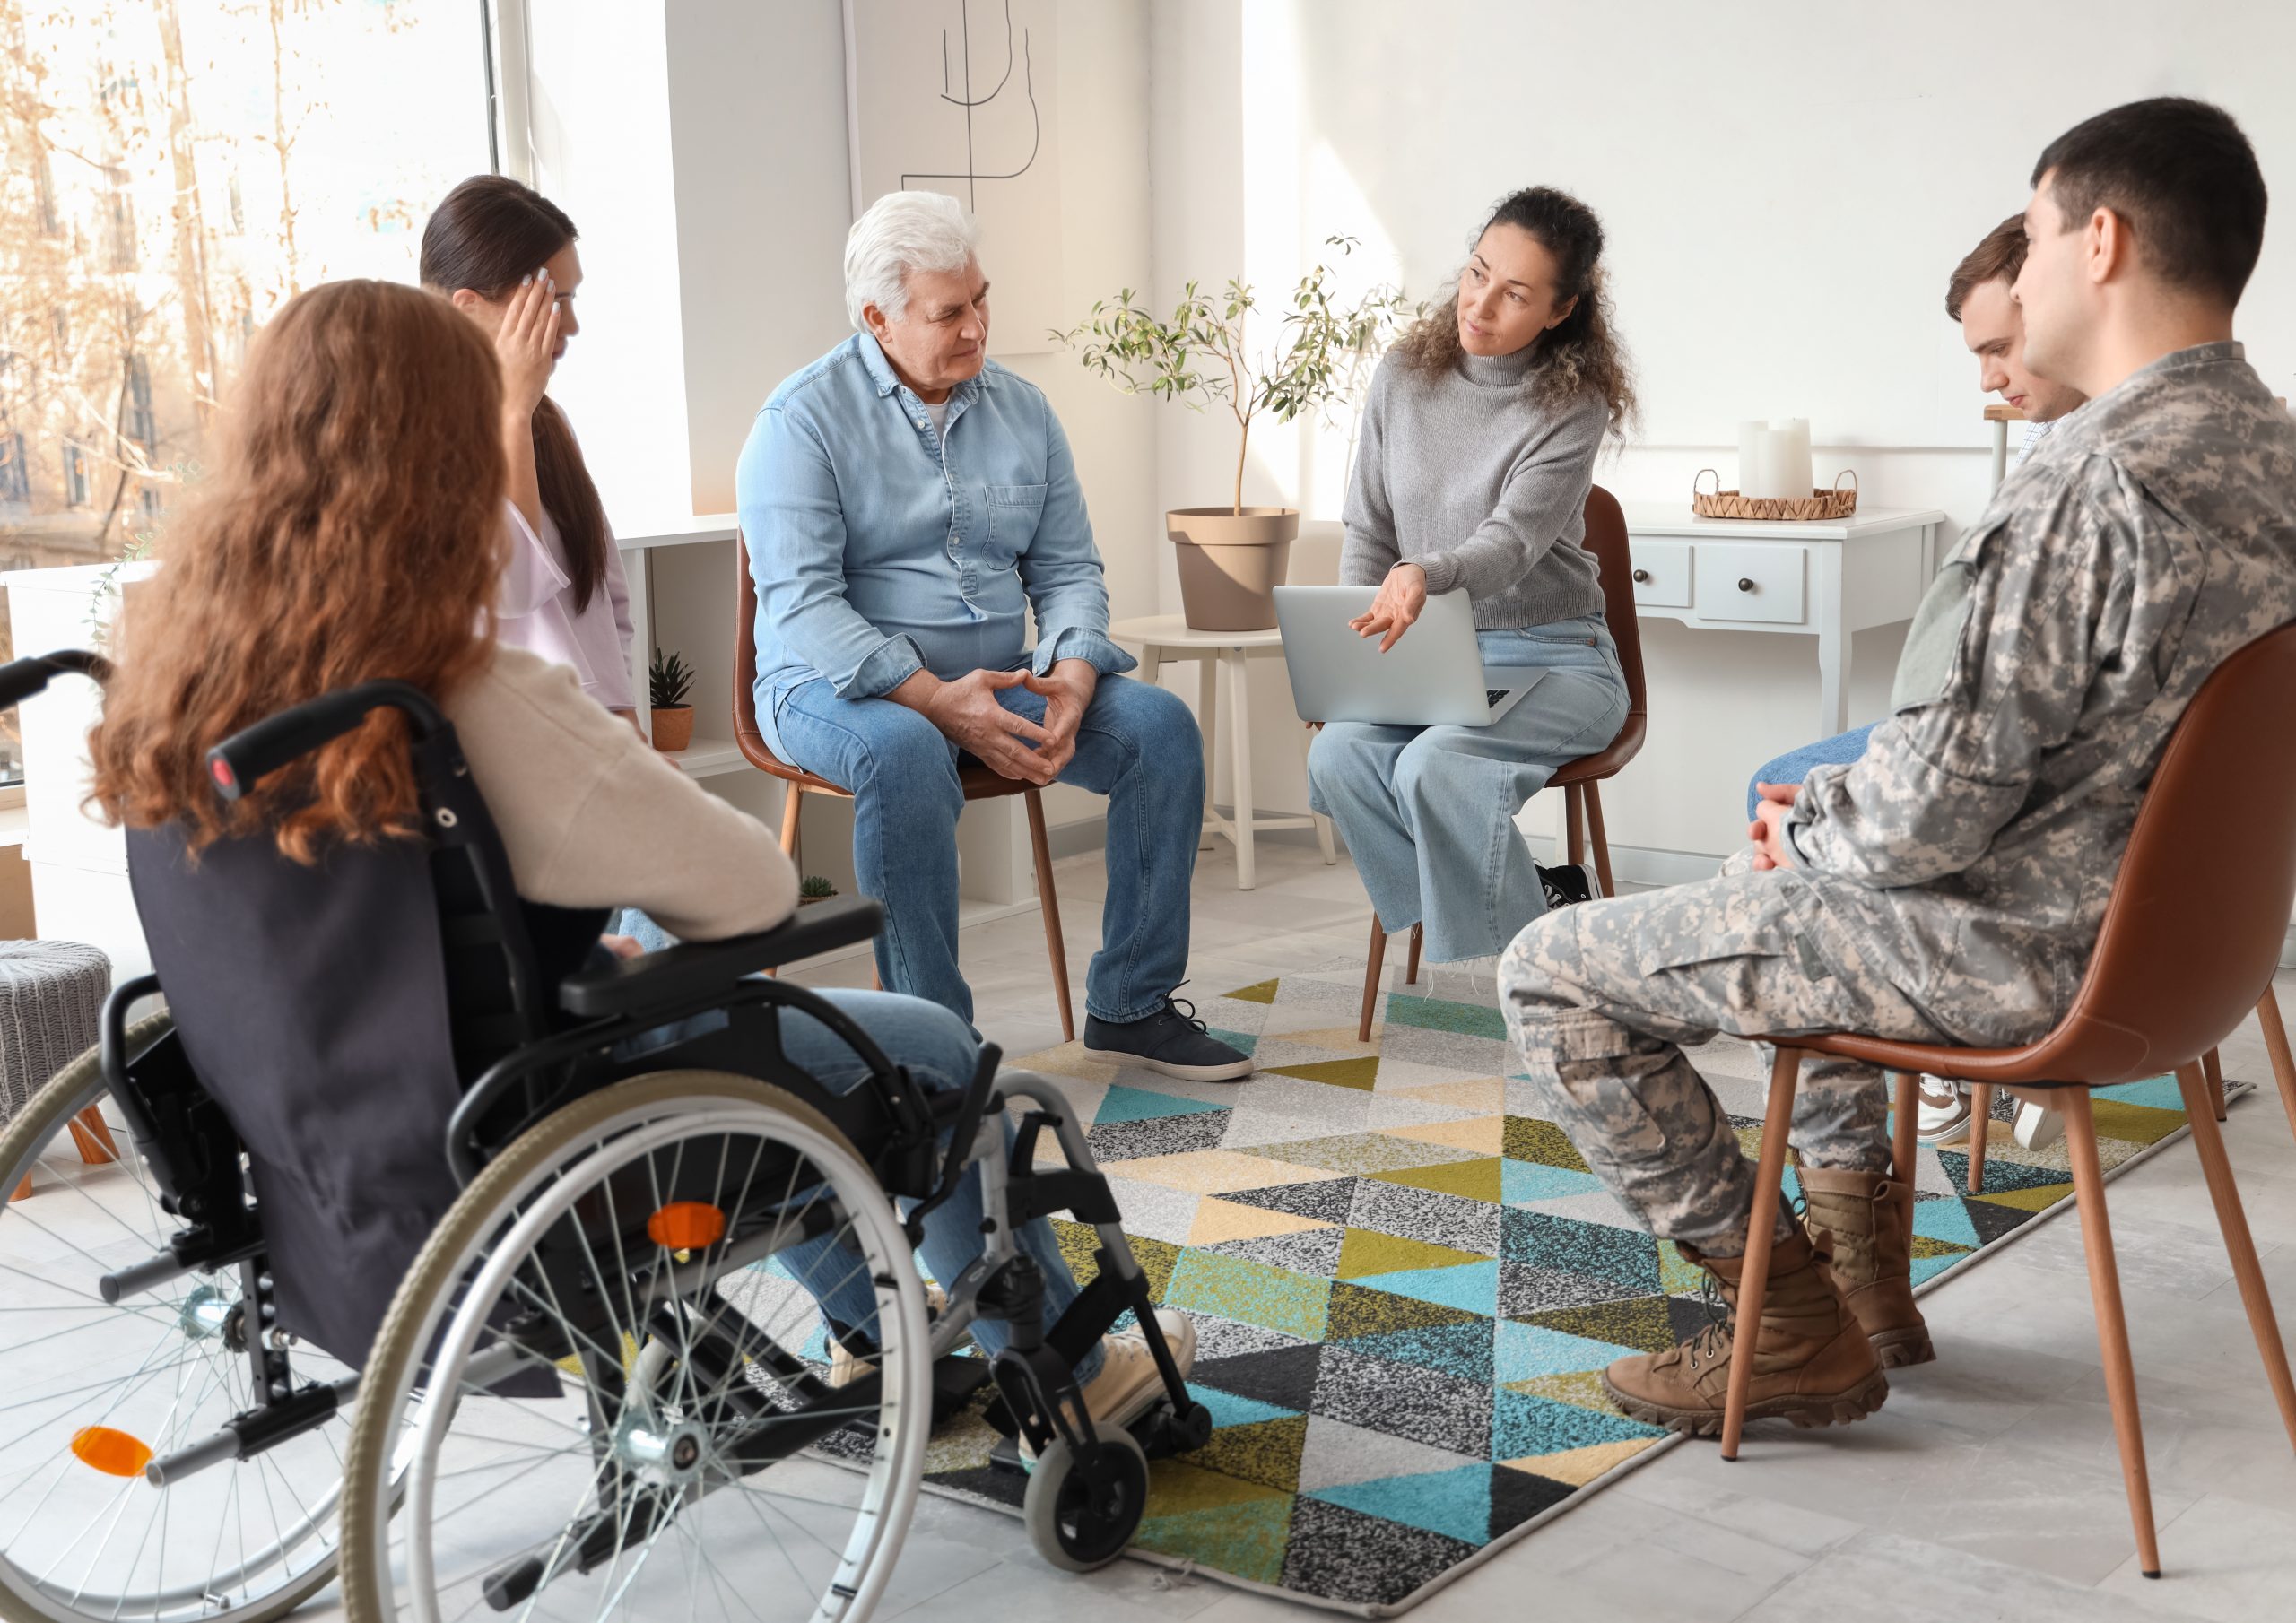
1137, 745
1429, 812
941, 1052
1795, 765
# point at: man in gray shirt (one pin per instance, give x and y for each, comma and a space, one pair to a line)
1949, 885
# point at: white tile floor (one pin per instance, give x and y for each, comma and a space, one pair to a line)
1989, 1488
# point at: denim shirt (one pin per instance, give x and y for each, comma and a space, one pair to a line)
880, 548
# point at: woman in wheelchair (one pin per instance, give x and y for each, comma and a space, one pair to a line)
604, 1247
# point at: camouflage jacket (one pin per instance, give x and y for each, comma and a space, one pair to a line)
1972, 850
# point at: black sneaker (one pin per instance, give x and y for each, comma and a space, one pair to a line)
1171, 1040
1570, 883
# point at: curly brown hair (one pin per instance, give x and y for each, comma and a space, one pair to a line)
352, 530
1580, 354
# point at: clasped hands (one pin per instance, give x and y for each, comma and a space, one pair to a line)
969, 713
1767, 829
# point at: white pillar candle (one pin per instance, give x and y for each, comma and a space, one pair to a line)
1795, 469
1750, 437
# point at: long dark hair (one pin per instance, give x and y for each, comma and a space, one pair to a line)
1580, 353
486, 235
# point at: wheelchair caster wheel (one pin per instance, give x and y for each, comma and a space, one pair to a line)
1190, 1429
1078, 1521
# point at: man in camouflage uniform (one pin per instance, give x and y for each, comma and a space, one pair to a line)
1949, 886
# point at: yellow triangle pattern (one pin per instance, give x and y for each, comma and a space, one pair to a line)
1366, 1252
1360, 1074
1484, 1134
1258, 992
1470, 1180
1581, 1466
1217, 1221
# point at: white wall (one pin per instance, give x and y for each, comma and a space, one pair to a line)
600, 100
1786, 187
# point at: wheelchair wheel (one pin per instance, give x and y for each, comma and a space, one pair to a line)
89, 1391
615, 1379
1080, 1522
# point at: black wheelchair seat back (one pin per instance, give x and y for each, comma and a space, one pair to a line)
336, 1010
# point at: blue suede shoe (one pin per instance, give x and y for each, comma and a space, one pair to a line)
1171, 1041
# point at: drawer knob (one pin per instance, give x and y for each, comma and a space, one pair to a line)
1642, 577
1745, 582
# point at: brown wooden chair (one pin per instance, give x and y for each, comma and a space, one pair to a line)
977, 782
1580, 781
2185, 953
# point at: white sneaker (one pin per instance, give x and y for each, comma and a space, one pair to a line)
1940, 1114
1129, 1383
847, 1367
2038, 1126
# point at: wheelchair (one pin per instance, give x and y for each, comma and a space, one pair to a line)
560, 1358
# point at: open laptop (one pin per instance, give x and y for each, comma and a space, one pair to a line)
1433, 677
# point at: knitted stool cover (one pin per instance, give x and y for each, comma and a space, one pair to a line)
51, 994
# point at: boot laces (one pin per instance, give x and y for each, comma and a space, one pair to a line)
1712, 1342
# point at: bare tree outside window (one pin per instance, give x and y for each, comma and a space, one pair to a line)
171, 171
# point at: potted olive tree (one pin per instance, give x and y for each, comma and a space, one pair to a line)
1231, 557
668, 680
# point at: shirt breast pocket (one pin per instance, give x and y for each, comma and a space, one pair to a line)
1014, 512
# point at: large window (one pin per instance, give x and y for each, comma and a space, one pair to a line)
174, 171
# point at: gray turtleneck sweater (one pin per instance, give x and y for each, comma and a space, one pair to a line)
1469, 478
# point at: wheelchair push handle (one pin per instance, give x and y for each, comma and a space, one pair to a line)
21, 678
243, 759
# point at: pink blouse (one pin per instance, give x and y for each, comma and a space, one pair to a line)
536, 611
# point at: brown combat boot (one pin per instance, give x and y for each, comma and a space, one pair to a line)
1857, 1220
1813, 1364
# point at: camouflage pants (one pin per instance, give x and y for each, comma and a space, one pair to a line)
1601, 997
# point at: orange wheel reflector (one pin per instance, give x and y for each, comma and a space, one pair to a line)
686, 1226
113, 1453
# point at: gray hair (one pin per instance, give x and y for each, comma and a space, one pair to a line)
903, 231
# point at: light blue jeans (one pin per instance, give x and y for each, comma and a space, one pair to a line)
1137, 745
941, 1052
1795, 765
1429, 812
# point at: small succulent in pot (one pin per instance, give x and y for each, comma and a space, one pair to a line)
668, 681
814, 888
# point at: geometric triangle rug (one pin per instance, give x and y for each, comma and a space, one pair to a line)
1406, 1283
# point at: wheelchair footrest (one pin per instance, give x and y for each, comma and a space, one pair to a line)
955, 1379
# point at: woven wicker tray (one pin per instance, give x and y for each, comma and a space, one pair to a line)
1719, 503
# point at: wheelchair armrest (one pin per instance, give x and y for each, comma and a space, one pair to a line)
695, 969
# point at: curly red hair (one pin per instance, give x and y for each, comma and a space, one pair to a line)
353, 530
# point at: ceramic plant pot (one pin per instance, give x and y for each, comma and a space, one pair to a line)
673, 729
1230, 564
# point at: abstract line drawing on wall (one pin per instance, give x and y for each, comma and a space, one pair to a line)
957, 90
958, 96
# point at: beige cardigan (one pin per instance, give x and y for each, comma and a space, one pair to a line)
591, 817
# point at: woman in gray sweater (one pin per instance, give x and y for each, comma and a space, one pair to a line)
1470, 475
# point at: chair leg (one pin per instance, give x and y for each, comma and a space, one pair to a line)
2275, 1042
1372, 962
93, 1138
23, 1190
1980, 1130
1903, 1147
1418, 940
2211, 1067
1753, 1279
793, 804
1048, 904
2217, 1167
1575, 822
2112, 1325
1598, 838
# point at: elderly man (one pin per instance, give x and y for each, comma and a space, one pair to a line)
907, 503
